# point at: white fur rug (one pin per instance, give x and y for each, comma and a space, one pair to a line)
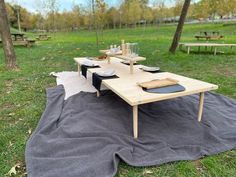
73, 83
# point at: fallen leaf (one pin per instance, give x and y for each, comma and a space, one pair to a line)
11, 114
30, 131
147, 172
13, 170
10, 144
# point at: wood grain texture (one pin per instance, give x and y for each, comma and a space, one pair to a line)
200, 109
126, 85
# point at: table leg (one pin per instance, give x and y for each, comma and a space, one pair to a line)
108, 60
79, 69
98, 94
215, 52
131, 67
180, 47
135, 121
188, 50
200, 109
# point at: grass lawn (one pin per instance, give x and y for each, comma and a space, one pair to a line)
22, 93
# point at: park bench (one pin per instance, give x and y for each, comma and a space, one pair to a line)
26, 43
213, 46
215, 35
19, 39
43, 37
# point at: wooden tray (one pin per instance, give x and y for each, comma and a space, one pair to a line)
158, 83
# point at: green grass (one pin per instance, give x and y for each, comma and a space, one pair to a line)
22, 93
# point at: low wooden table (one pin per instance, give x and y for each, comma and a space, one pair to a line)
126, 87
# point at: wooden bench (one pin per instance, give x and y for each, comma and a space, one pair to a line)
25, 43
43, 37
31, 42
213, 46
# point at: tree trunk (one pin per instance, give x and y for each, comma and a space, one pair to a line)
179, 29
114, 24
95, 21
8, 48
18, 18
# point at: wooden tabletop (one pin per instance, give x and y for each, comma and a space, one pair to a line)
126, 85
207, 44
18, 34
43, 35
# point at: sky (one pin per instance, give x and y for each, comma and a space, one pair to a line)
31, 5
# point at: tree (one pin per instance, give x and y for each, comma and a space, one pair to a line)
198, 12
177, 7
12, 19
113, 17
131, 12
95, 20
17, 8
101, 14
10, 57
179, 29
52, 6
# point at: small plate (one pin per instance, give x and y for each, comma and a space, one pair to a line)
152, 69
87, 62
106, 73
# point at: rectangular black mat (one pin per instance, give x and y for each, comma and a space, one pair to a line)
97, 80
84, 69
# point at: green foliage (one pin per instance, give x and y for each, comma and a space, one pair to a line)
23, 99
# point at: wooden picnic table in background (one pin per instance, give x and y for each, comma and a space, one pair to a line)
18, 36
214, 35
19, 39
43, 37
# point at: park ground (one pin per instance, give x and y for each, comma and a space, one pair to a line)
23, 99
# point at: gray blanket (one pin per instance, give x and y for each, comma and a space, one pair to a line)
86, 136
